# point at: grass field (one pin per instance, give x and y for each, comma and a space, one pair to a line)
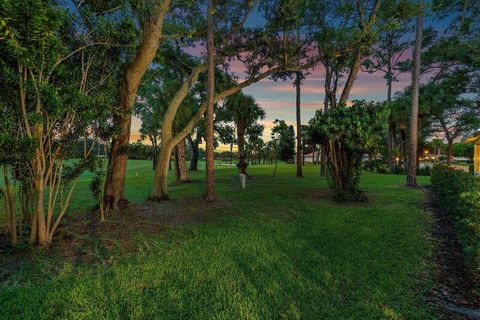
281, 249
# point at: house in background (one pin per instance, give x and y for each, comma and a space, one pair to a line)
475, 139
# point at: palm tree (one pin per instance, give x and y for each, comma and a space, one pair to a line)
245, 112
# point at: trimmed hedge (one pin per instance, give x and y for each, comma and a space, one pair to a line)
458, 193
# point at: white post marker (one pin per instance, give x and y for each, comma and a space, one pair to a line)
243, 180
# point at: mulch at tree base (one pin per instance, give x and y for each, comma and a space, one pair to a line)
82, 239
456, 295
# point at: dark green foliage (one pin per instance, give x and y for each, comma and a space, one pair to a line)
463, 150
448, 183
347, 134
284, 137
458, 193
73, 171
98, 176
424, 171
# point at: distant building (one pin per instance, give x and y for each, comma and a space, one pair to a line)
475, 139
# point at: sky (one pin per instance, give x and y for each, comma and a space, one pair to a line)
277, 98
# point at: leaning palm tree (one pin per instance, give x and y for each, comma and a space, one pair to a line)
245, 112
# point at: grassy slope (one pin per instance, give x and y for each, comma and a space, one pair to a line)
279, 250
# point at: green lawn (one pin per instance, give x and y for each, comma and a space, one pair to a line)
278, 250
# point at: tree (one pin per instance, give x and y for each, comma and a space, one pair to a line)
209, 136
153, 15
254, 49
386, 58
285, 137
413, 138
244, 112
52, 106
453, 115
298, 80
346, 134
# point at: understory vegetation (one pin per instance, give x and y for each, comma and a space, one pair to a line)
458, 193
257, 254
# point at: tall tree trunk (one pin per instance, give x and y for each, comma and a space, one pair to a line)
403, 144
298, 83
327, 85
391, 125
241, 146
182, 162
155, 150
413, 141
194, 146
152, 34
357, 61
210, 165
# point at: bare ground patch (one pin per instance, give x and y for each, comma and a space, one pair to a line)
82, 239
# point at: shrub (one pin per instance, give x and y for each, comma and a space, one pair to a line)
470, 226
346, 134
382, 170
424, 171
458, 193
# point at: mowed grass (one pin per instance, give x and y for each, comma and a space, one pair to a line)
278, 250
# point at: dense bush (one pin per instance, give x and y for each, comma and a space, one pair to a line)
458, 193
346, 135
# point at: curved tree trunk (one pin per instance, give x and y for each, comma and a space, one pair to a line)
160, 188
114, 191
357, 61
413, 141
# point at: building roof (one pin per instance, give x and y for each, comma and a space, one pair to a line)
474, 138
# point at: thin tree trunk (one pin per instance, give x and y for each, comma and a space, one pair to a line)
328, 80
194, 147
241, 146
413, 141
182, 162
194, 160
391, 125
210, 165
231, 153
298, 83
152, 35
403, 145
177, 167
10, 211
275, 169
